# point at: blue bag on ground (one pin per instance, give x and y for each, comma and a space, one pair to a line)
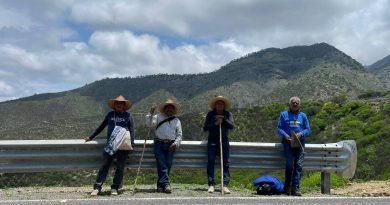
268, 185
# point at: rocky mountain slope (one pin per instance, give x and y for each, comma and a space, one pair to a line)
317, 72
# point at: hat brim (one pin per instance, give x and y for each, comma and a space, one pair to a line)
212, 102
111, 104
175, 105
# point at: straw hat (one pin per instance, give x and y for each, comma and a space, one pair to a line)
169, 102
219, 98
111, 103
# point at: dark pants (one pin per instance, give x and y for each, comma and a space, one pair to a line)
294, 166
164, 160
121, 156
213, 149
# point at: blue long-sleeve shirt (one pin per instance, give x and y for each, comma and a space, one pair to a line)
209, 125
123, 119
296, 122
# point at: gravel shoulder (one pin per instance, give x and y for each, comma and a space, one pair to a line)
354, 189
365, 189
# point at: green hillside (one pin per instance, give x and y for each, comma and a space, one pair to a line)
343, 99
365, 120
255, 79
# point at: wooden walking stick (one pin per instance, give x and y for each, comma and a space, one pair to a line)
142, 157
221, 153
140, 162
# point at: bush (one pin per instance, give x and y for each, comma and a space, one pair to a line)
273, 111
351, 106
320, 123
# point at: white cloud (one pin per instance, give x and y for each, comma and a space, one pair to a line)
6, 89
50, 46
144, 54
12, 19
18, 57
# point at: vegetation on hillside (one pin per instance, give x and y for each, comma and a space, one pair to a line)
367, 121
342, 99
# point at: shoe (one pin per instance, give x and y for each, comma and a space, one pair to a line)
211, 189
95, 192
114, 192
226, 190
160, 189
296, 193
168, 189
287, 191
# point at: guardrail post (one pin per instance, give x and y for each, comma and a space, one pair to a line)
325, 182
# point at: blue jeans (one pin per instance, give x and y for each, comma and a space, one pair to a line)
294, 166
121, 156
213, 149
164, 163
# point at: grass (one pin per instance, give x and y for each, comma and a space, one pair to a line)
240, 179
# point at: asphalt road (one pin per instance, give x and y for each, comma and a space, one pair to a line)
208, 200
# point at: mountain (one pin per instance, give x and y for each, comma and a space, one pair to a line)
381, 69
383, 63
319, 72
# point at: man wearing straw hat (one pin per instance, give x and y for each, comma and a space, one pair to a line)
118, 117
293, 127
168, 138
218, 123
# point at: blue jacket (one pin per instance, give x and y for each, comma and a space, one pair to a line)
289, 121
124, 119
277, 185
209, 125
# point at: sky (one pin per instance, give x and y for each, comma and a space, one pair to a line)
57, 45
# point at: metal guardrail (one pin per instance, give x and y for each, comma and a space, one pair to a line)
22, 156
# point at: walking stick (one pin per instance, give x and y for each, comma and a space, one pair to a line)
221, 153
140, 162
299, 142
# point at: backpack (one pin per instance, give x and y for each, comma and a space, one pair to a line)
268, 185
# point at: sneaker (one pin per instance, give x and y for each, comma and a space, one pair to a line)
95, 192
226, 190
114, 192
211, 189
168, 189
296, 193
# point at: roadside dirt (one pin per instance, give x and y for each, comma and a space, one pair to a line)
354, 189
365, 189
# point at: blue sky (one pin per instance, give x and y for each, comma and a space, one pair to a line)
52, 46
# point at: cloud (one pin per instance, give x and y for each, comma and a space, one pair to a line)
111, 54
144, 54
50, 46
9, 18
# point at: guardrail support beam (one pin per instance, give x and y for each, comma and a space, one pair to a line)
325, 182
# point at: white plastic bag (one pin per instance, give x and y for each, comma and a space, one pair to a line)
120, 139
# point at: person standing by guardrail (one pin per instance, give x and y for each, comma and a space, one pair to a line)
293, 127
118, 117
218, 118
167, 140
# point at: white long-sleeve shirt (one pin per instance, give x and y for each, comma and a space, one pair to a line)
168, 131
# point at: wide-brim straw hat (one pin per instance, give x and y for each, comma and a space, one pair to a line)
111, 102
169, 102
212, 102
